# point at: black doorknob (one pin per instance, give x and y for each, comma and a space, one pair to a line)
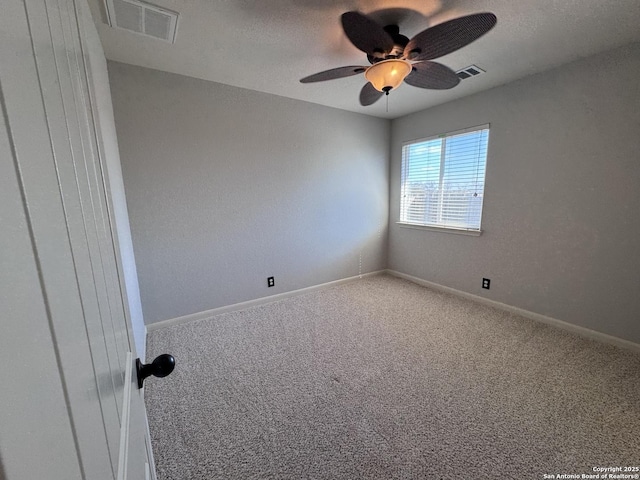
161, 366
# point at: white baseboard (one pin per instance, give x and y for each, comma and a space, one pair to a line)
582, 331
253, 303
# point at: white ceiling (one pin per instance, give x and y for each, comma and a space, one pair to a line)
268, 45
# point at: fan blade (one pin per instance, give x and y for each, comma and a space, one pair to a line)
339, 72
432, 75
366, 34
369, 95
449, 36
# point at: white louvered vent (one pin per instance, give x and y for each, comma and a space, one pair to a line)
143, 18
470, 71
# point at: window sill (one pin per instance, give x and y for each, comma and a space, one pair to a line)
457, 231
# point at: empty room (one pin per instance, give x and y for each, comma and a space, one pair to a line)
320, 239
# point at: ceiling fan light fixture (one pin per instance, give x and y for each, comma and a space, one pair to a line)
388, 74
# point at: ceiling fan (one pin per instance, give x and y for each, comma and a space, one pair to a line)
394, 58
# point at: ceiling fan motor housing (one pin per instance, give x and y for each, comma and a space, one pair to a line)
399, 42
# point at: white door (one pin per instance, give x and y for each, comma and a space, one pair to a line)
69, 403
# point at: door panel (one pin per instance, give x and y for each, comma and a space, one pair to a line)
92, 197
61, 185
24, 88
97, 180
66, 115
26, 345
95, 76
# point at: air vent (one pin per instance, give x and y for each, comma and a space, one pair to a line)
143, 18
470, 71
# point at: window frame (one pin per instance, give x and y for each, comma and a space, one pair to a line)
443, 228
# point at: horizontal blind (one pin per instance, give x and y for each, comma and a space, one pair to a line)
443, 180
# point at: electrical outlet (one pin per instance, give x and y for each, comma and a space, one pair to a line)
486, 283
271, 282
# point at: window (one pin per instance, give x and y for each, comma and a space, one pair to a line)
443, 180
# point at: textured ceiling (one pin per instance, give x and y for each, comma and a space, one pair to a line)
269, 45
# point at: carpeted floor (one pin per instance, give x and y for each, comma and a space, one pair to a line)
385, 379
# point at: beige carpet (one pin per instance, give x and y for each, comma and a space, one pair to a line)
384, 379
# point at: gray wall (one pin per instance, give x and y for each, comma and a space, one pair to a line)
561, 230
227, 186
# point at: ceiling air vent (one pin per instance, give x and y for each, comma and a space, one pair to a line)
143, 18
470, 71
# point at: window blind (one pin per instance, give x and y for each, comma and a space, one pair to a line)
443, 180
